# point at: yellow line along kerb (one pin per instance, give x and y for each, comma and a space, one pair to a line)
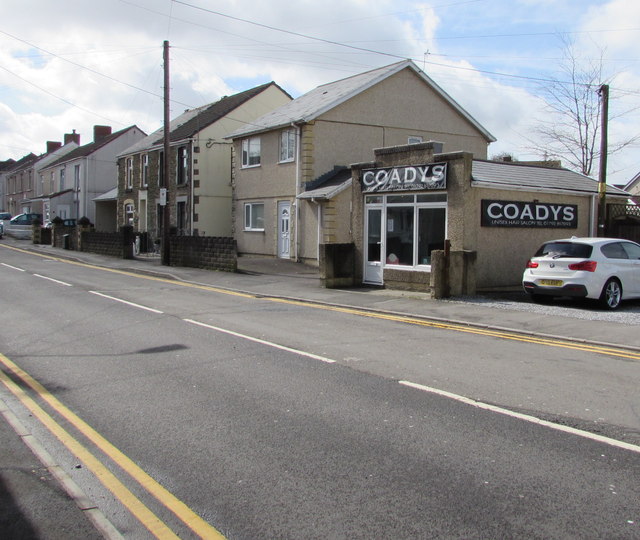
149, 520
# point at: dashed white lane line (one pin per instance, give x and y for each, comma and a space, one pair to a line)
525, 417
262, 341
152, 310
54, 280
13, 267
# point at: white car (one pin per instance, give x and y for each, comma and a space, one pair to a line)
604, 269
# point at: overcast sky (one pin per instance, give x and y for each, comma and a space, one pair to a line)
71, 64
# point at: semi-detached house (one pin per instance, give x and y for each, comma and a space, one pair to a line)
290, 189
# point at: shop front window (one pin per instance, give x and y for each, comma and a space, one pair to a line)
431, 232
400, 235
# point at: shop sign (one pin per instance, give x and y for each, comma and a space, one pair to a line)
529, 214
407, 178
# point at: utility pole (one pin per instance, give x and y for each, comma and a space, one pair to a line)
602, 179
166, 215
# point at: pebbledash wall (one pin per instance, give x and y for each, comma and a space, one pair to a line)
412, 204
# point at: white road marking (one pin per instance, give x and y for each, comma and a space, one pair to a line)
525, 417
126, 302
13, 267
262, 342
54, 280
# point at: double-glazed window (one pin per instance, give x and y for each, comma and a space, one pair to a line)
254, 217
413, 226
287, 145
62, 179
251, 152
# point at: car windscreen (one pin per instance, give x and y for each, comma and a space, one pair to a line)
565, 249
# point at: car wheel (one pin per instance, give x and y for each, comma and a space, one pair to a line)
611, 294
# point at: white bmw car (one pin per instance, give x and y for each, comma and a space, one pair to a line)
604, 269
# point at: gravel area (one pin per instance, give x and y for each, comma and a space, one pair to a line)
627, 313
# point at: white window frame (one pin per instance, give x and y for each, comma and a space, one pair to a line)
182, 165
287, 145
249, 216
129, 173
250, 150
129, 213
415, 139
62, 178
144, 171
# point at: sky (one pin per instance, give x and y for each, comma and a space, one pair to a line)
71, 64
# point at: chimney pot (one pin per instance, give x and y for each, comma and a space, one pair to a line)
72, 137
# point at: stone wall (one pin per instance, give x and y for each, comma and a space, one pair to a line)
207, 252
103, 243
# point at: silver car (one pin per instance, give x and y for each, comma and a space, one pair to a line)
604, 269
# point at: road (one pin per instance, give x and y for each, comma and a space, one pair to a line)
195, 411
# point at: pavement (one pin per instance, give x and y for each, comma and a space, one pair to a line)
26, 481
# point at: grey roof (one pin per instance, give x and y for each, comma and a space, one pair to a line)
193, 120
328, 185
111, 195
513, 175
328, 96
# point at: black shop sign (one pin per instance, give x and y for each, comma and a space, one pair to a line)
529, 214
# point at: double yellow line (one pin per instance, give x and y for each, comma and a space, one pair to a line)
584, 346
152, 522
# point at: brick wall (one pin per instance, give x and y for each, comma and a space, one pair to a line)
208, 252
103, 243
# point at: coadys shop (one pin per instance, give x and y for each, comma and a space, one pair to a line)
422, 220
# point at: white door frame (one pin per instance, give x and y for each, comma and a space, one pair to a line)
284, 229
373, 268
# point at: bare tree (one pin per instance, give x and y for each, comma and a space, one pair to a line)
571, 131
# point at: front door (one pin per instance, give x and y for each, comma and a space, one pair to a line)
284, 228
373, 247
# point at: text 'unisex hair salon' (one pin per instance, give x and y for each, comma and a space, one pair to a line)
410, 201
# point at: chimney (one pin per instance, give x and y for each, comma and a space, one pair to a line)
100, 132
72, 137
52, 146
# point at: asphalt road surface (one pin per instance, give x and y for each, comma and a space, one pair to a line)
195, 411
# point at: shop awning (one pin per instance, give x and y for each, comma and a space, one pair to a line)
327, 186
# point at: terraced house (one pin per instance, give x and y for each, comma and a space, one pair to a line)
199, 183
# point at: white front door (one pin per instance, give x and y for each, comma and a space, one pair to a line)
284, 229
373, 246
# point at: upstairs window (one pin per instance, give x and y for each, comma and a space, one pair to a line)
182, 174
62, 179
414, 139
287, 145
129, 173
251, 152
144, 177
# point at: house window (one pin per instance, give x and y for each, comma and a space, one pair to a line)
52, 183
254, 217
183, 165
76, 178
62, 179
129, 173
144, 180
287, 145
128, 214
414, 139
251, 152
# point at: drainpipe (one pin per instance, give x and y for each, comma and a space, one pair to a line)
298, 176
191, 169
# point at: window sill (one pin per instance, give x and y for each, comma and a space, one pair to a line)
250, 166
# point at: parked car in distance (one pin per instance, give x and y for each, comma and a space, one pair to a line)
69, 222
603, 269
21, 225
5, 216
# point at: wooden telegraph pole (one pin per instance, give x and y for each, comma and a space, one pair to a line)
602, 179
164, 198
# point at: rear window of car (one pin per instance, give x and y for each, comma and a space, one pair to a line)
565, 249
